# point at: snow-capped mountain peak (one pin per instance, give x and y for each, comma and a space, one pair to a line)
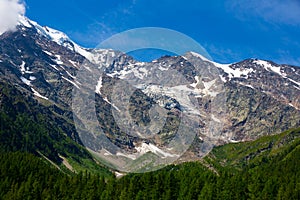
269, 67
24, 21
52, 34
56, 36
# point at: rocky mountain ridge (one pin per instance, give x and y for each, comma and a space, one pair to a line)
221, 103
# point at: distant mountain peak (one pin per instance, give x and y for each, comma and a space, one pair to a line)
54, 35
24, 21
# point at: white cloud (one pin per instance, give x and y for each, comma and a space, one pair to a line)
224, 55
9, 14
275, 11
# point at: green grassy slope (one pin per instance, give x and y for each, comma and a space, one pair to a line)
249, 154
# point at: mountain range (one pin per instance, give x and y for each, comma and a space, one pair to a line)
83, 108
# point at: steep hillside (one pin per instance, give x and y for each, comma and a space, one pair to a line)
28, 126
270, 172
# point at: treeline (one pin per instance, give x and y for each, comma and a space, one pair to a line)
43, 130
25, 176
26, 125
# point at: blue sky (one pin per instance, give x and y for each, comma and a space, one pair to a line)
229, 30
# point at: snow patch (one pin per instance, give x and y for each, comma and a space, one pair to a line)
298, 88
60, 38
234, 73
84, 53
143, 70
140, 63
207, 86
293, 106
268, 66
69, 74
207, 90
105, 99
56, 36
26, 81
53, 66
22, 67
250, 86
121, 74
223, 78
200, 56
139, 72
36, 93
118, 174
32, 78
294, 81
73, 63
246, 85
197, 82
24, 21
58, 60
72, 82
48, 53
144, 148
99, 85
180, 93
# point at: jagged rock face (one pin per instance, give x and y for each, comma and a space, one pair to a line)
255, 113
226, 103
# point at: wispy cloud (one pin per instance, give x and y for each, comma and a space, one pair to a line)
92, 35
285, 57
223, 55
9, 14
275, 11
110, 23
